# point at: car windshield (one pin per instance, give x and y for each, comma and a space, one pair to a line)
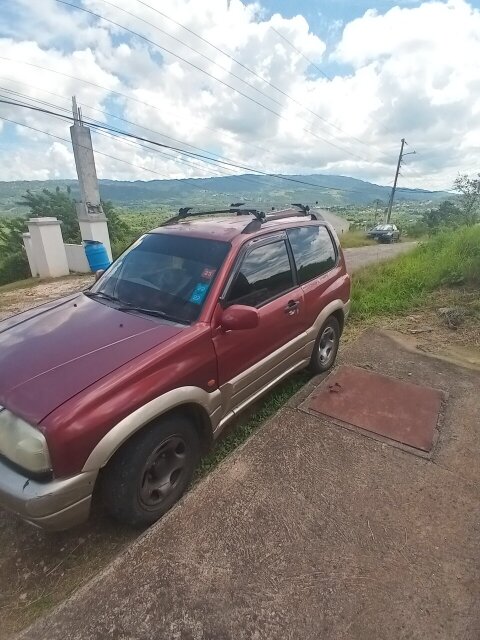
384, 227
163, 275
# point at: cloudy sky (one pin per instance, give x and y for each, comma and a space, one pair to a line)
284, 86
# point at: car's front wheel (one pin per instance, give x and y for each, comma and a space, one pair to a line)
151, 471
326, 346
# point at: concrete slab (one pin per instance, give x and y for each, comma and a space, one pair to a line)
309, 531
397, 410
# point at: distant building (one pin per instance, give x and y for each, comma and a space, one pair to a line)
339, 224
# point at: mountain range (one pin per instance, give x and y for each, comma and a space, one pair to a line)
327, 190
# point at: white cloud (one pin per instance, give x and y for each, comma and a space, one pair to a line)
411, 72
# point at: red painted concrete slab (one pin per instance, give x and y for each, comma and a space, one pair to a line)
405, 412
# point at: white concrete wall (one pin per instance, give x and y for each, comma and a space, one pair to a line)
47, 247
76, 258
27, 242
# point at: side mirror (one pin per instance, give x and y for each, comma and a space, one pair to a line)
239, 317
99, 274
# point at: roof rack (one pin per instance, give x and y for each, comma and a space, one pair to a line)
260, 217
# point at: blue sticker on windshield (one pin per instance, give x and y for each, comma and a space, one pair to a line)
199, 293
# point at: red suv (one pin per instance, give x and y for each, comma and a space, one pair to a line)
121, 388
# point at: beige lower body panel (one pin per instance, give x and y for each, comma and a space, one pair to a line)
247, 387
250, 381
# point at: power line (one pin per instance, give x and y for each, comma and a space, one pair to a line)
52, 135
169, 35
252, 71
189, 162
188, 153
301, 54
117, 93
207, 73
97, 125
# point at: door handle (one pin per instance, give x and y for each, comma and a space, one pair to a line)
292, 307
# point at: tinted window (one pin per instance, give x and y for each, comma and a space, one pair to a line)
313, 251
164, 274
264, 273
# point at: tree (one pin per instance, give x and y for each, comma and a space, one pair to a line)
11, 230
13, 259
60, 204
447, 215
469, 189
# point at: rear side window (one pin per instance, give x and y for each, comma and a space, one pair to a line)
265, 273
313, 251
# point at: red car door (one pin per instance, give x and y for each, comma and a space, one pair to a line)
249, 359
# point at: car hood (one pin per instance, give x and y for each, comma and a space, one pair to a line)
49, 354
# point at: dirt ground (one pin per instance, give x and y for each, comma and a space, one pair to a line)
32, 293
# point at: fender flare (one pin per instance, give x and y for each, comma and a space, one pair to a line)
123, 430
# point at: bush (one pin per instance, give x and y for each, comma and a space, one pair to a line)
14, 267
450, 258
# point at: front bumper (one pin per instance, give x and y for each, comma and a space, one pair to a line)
54, 505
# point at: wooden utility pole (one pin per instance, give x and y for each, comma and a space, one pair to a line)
392, 195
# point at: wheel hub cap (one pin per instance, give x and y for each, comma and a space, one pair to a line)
327, 343
162, 471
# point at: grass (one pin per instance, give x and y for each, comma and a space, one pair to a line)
240, 431
449, 259
354, 239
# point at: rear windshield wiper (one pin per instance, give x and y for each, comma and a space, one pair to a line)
152, 312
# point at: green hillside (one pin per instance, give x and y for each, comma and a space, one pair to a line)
262, 190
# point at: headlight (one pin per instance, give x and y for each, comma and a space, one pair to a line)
23, 444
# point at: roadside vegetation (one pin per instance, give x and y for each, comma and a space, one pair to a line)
354, 239
451, 258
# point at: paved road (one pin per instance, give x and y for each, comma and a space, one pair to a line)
357, 258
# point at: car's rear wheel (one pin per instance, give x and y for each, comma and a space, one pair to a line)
326, 346
151, 471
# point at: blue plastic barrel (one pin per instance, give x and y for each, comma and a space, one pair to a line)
97, 255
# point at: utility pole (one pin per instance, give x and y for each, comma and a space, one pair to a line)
399, 164
91, 217
392, 195
377, 204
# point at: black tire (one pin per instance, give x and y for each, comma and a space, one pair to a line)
323, 355
151, 471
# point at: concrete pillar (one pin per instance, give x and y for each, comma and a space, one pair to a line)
91, 229
91, 218
47, 247
27, 243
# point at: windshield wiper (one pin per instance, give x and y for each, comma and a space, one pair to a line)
152, 312
101, 294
